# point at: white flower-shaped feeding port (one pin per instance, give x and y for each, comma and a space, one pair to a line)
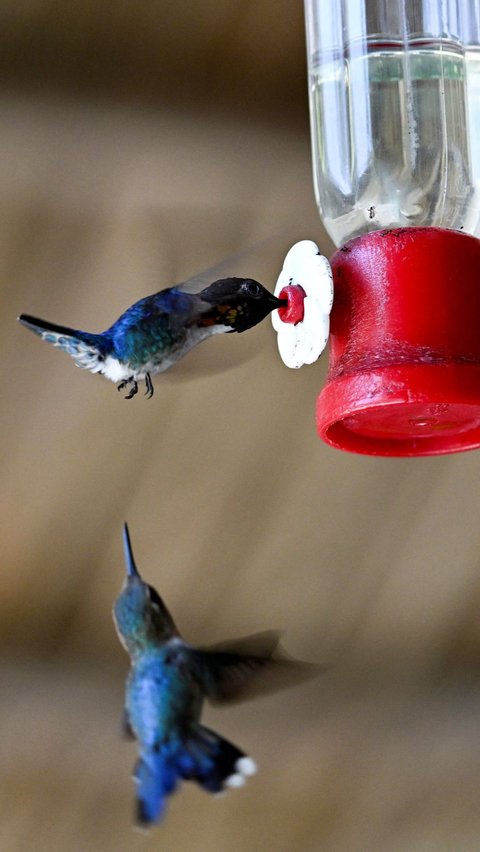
303, 326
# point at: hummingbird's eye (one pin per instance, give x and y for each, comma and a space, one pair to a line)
154, 596
253, 288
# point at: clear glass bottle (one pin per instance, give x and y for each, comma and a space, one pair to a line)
395, 113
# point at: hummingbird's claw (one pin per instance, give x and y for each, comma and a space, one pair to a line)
149, 386
133, 389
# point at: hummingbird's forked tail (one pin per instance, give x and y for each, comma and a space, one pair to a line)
214, 762
204, 756
87, 350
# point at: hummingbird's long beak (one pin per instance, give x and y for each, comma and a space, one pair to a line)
127, 549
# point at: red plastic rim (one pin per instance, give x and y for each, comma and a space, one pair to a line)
431, 410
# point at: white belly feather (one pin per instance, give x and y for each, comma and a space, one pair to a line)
118, 371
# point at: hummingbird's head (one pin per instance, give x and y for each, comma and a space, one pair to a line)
141, 618
239, 303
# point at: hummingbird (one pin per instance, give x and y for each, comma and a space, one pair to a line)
155, 332
165, 690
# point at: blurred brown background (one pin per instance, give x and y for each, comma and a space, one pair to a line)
140, 143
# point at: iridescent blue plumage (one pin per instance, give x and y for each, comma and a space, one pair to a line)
165, 690
155, 332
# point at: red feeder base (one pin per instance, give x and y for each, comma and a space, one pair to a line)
404, 372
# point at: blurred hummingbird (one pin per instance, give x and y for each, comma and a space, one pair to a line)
155, 332
165, 690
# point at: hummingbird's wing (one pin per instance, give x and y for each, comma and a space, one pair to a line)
253, 261
243, 668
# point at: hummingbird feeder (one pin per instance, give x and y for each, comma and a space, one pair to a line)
395, 121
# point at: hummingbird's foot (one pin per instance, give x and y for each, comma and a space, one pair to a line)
133, 387
149, 386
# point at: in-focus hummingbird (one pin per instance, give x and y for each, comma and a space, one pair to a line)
158, 330
165, 690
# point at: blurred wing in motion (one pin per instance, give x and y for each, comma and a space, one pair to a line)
240, 264
245, 668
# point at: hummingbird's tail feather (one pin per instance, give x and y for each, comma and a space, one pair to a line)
87, 350
156, 777
203, 756
214, 762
